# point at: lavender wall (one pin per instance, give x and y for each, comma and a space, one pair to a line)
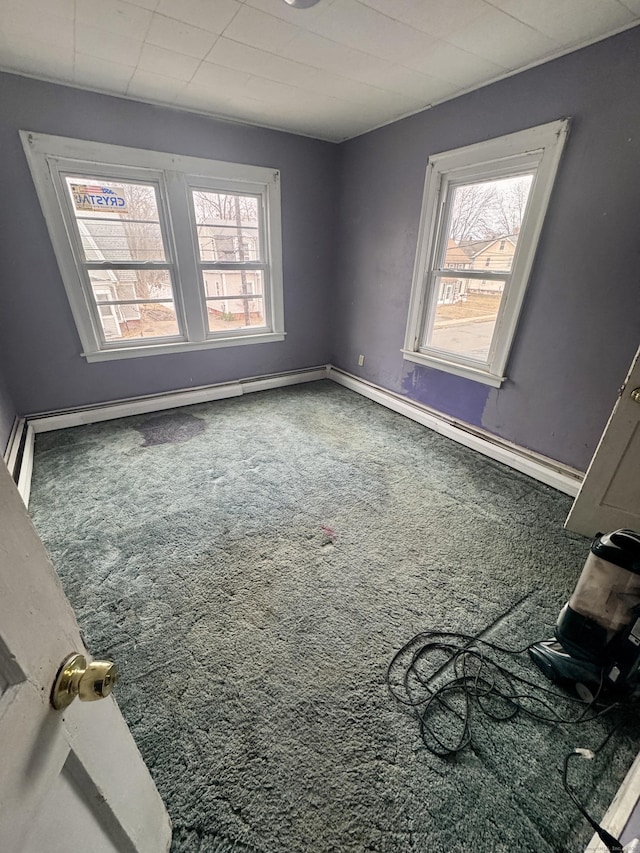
581, 321
39, 344
7, 414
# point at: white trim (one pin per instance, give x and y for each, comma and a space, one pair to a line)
182, 346
50, 158
536, 149
465, 370
622, 806
545, 470
26, 466
159, 402
13, 444
69, 148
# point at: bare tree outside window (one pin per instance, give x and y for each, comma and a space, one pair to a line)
229, 231
484, 225
489, 209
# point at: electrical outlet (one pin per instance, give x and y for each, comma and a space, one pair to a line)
360, 360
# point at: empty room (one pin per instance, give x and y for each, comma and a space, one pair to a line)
320, 419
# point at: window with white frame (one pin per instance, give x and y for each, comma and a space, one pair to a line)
482, 214
160, 252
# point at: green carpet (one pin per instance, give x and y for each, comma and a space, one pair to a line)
253, 564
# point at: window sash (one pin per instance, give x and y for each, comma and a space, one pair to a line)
534, 150
509, 168
51, 156
63, 168
263, 266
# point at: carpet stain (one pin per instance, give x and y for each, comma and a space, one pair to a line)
206, 570
167, 429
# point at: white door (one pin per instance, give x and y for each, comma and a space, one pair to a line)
71, 781
610, 493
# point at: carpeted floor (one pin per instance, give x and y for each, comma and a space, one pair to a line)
253, 564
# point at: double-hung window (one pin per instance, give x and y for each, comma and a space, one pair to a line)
482, 214
161, 253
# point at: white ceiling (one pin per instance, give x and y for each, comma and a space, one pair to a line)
333, 71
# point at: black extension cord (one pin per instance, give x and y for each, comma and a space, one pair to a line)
416, 668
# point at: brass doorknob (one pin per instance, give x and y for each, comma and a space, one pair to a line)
635, 395
76, 678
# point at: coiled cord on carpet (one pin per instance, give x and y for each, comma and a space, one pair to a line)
416, 677
498, 692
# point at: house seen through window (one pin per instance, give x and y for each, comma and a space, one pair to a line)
483, 210
483, 216
125, 257
161, 253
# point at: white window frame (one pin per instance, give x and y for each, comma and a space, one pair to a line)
50, 157
537, 149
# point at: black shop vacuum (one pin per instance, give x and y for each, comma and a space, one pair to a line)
596, 647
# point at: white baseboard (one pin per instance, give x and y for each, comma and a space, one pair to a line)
13, 445
548, 471
621, 808
545, 470
26, 466
21, 465
159, 402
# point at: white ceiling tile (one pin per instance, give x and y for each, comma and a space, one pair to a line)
241, 57
259, 63
499, 38
298, 17
217, 79
230, 102
23, 24
107, 45
39, 58
349, 22
60, 8
437, 17
569, 21
207, 15
144, 84
420, 87
158, 60
321, 52
274, 92
101, 74
334, 70
256, 28
445, 61
145, 4
180, 37
114, 16
632, 5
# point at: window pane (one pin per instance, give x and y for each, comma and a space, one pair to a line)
114, 285
232, 282
465, 316
485, 222
137, 321
117, 220
228, 226
225, 314
140, 320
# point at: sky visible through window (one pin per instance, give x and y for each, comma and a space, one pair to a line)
483, 226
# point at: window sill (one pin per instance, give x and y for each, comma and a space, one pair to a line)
466, 370
181, 346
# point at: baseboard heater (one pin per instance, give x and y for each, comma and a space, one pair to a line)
19, 455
